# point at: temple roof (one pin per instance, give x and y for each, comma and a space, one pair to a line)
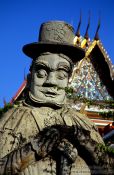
95, 70
19, 93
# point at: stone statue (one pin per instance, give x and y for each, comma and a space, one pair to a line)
43, 135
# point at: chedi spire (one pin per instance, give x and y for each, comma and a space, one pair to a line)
98, 27
77, 37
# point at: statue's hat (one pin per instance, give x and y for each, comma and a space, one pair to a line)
55, 37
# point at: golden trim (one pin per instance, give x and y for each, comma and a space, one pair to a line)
91, 48
83, 43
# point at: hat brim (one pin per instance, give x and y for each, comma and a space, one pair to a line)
33, 50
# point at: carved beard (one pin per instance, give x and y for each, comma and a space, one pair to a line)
45, 103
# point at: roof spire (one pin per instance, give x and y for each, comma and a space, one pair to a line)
96, 34
76, 40
86, 41
86, 36
79, 24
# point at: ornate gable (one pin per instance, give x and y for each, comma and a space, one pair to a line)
93, 75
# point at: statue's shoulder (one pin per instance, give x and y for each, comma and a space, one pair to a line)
81, 120
13, 113
73, 112
78, 118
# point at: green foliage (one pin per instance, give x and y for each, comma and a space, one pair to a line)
105, 148
69, 91
5, 109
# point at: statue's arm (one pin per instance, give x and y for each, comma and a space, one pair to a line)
97, 154
37, 148
90, 147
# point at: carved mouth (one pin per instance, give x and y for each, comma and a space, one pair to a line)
50, 94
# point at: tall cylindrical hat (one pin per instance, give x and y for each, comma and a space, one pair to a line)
55, 37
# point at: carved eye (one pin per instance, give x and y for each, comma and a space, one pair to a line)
41, 73
61, 74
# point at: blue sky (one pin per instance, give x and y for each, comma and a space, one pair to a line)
20, 21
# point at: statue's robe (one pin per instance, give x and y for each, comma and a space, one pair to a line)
20, 124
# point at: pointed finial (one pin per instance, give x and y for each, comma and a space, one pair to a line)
79, 24
86, 36
86, 41
98, 27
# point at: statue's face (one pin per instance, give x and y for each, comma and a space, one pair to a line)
50, 75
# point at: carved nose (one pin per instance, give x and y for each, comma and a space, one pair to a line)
51, 79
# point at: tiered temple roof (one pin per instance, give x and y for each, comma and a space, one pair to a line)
93, 79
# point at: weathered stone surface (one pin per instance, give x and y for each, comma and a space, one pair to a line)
17, 131
49, 167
